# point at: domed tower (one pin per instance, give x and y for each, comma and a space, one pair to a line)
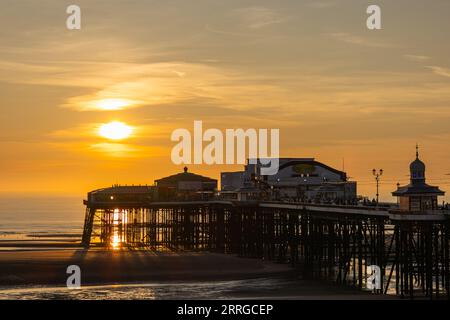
417, 170
418, 196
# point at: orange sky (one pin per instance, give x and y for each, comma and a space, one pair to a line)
310, 68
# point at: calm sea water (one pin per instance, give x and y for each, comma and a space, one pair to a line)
23, 217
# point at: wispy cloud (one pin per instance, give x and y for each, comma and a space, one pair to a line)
441, 71
258, 17
321, 4
418, 58
135, 84
227, 33
358, 40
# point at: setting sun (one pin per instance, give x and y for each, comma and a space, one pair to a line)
115, 130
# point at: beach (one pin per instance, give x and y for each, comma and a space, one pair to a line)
32, 267
30, 273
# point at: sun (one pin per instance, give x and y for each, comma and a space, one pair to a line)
115, 130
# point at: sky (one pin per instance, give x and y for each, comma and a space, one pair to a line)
350, 97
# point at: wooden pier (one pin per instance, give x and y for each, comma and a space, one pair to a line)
336, 243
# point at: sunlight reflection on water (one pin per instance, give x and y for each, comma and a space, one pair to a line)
198, 290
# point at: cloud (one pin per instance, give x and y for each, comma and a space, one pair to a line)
413, 57
258, 17
354, 39
123, 85
445, 72
118, 86
321, 4
227, 33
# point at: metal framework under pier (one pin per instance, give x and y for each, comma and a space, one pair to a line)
323, 242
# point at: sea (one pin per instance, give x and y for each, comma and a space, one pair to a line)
40, 218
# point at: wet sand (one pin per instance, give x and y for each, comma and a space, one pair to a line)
33, 272
30, 267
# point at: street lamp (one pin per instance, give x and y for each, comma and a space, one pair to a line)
398, 198
377, 179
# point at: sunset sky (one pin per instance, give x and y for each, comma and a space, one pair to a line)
335, 89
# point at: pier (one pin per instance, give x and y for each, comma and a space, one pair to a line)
327, 242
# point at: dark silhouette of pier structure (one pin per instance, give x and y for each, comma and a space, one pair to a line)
328, 242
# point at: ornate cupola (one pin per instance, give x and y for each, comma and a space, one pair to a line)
418, 196
417, 170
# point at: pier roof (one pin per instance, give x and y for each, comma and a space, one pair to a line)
184, 176
415, 189
117, 189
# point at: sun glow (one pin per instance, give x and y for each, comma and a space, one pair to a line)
113, 104
115, 130
115, 242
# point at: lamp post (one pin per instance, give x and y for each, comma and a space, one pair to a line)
398, 198
377, 175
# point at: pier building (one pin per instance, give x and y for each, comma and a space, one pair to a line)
302, 179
